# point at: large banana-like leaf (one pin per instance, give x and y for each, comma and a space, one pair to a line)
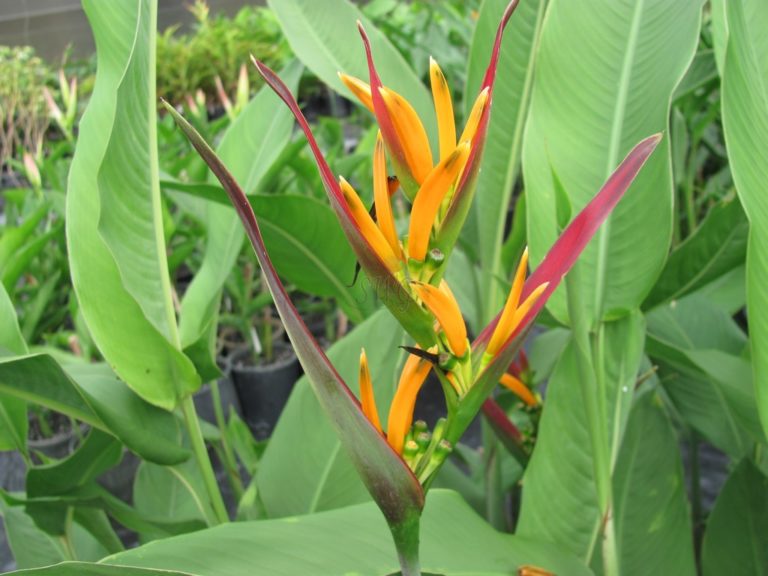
605, 74
114, 229
745, 120
352, 540
501, 156
653, 524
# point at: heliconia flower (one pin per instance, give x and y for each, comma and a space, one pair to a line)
395, 468
390, 481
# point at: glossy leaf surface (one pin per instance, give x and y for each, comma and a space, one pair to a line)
559, 481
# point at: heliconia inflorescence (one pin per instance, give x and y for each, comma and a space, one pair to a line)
408, 274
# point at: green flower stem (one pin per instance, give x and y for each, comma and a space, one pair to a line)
406, 537
203, 461
228, 458
592, 387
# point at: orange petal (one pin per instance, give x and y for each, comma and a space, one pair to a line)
384, 218
428, 199
412, 378
474, 116
360, 89
446, 310
527, 304
441, 94
366, 393
368, 227
504, 326
410, 132
521, 390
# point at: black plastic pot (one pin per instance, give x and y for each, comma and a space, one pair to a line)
263, 390
229, 398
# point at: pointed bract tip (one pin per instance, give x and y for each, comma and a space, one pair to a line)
508, 11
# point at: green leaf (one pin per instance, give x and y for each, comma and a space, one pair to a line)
559, 495
618, 64
745, 122
114, 301
499, 168
737, 530
92, 394
31, 546
249, 147
49, 486
170, 493
319, 475
718, 246
98, 453
84, 569
353, 540
293, 228
651, 518
14, 238
13, 411
695, 345
323, 34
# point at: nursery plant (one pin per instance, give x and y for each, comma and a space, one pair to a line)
612, 148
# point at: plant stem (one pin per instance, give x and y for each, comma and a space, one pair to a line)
406, 538
203, 461
228, 457
610, 550
591, 388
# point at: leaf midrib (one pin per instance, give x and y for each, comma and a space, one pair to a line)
613, 149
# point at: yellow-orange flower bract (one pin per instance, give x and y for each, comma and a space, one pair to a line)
514, 312
412, 378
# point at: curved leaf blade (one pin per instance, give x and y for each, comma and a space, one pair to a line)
140, 353
745, 121
388, 479
92, 394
